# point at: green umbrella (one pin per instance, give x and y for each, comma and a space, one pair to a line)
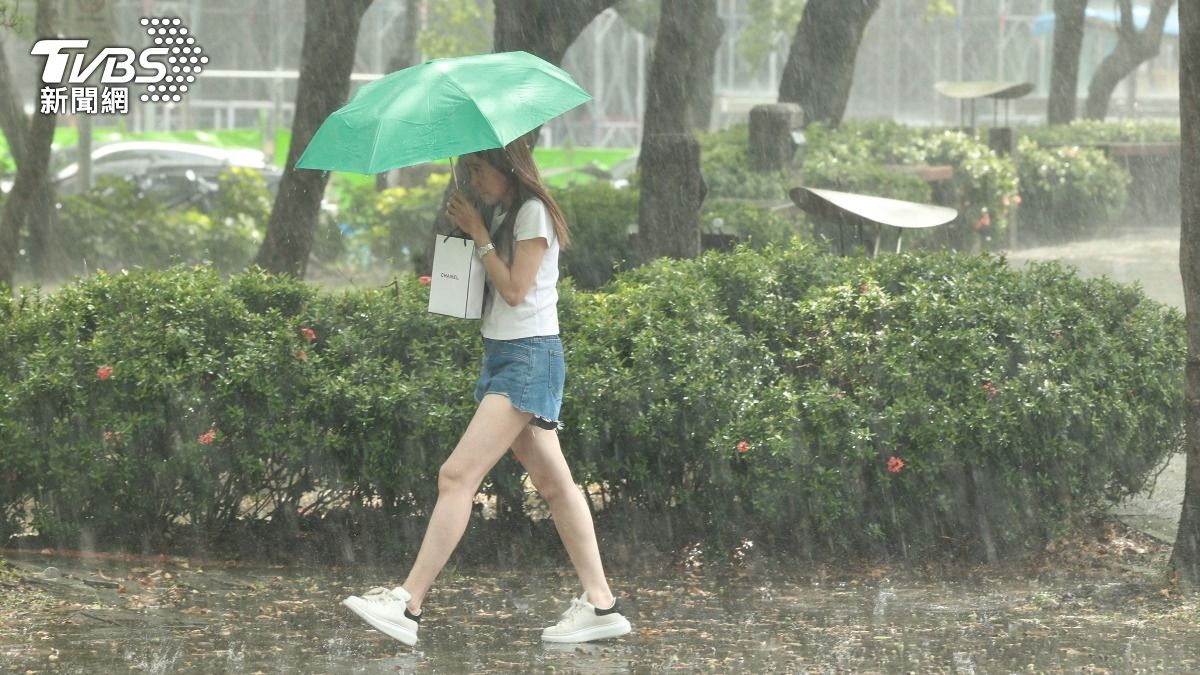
441, 108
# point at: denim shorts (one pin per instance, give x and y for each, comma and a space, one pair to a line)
530, 372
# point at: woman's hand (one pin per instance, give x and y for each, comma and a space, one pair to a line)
464, 214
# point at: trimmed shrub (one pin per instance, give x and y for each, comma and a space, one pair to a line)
753, 225
908, 405
390, 227
115, 226
1006, 396
843, 160
599, 216
1153, 183
1068, 192
1092, 132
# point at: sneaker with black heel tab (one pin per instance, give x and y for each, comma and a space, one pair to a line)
584, 622
386, 609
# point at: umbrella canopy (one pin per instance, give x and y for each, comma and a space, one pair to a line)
441, 108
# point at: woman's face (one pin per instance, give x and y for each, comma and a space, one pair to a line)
491, 184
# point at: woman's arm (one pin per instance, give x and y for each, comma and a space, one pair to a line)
514, 281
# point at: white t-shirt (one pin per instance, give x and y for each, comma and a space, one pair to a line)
538, 313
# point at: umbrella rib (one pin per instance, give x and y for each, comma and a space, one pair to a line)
375, 146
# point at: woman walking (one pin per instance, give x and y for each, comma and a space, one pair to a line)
519, 394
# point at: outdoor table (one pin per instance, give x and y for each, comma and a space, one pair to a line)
849, 209
972, 90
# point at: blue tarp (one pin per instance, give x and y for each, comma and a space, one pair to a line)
1045, 22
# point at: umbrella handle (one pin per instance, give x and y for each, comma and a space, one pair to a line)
454, 174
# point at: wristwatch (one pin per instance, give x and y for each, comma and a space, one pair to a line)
485, 249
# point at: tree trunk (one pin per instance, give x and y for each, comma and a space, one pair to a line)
1185, 557
1064, 71
700, 85
672, 192
31, 201
820, 65
327, 59
772, 147
406, 53
544, 28
672, 186
13, 122
404, 56
1133, 48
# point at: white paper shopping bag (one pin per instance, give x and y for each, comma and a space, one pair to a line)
458, 277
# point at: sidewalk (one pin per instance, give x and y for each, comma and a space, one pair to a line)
1149, 256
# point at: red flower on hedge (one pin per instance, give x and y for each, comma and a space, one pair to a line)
309, 334
743, 447
104, 372
989, 390
425, 281
113, 437
895, 465
301, 355
207, 437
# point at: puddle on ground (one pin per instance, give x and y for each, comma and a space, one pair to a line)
106, 616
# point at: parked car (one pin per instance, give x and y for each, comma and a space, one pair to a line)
138, 158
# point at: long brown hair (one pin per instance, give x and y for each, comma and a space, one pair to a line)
515, 162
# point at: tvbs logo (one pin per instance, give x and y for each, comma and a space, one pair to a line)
166, 68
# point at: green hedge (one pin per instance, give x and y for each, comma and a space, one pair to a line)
1152, 180
390, 228
725, 164
116, 226
1068, 192
1092, 132
748, 394
600, 216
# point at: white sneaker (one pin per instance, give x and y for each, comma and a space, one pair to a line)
387, 611
582, 622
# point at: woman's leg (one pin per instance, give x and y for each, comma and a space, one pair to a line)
489, 435
541, 455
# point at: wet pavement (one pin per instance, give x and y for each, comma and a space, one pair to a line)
1104, 607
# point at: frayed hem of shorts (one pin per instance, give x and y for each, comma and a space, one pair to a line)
537, 421
548, 425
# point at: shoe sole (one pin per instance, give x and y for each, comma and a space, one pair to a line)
604, 632
386, 627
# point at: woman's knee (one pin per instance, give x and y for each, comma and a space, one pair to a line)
549, 473
453, 477
553, 486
